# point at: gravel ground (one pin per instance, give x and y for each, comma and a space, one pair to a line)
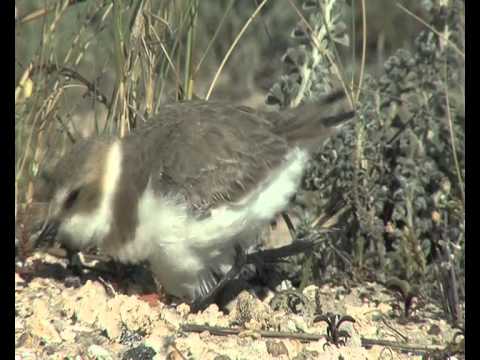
59, 316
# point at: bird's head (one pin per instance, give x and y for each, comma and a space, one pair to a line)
74, 189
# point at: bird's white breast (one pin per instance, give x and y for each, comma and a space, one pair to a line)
181, 247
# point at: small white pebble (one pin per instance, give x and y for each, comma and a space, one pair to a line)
99, 353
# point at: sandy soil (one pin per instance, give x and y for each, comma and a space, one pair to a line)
58, 316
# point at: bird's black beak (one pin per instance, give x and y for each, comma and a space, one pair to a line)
47, 234
40, 239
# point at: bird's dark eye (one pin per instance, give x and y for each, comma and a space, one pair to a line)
71, 198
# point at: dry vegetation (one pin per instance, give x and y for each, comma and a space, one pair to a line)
389, 189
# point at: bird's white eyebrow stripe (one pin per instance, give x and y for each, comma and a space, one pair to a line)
112, 170
110, 182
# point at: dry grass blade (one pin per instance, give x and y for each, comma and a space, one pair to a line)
334, 64
224, 331
232, 47
36, 14
431, 28
453, 141
215, 35
364, 49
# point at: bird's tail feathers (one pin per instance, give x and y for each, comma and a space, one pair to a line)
310, 124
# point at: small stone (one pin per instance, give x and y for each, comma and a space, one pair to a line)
160, 329
221, 357
384, 308
340, 294
99, 353
171, 318
72, 282
136, 315
434, 330
276, 348
141, 352
44, 329
109, 319
174, 355
183, 309
86, 302
211, 316
41, 308
157, 343
26, 340
68, 335
289, 325
310, 292
131, 337
306, 355
249, 311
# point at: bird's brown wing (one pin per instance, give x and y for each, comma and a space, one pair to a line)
211, 152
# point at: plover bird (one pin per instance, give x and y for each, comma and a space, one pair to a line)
188, 190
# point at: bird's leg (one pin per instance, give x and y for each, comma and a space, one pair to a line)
203, 301
273, 255
73, 261
257, 258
